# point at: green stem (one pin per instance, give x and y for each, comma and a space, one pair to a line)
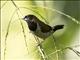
40, 48
55, 48
3, 4
21, 24
70, 48
7, 33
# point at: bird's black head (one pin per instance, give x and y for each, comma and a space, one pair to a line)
32, 24
29, 17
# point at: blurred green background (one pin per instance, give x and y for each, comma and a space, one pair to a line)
54, 13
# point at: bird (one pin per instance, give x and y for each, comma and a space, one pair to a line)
39, 28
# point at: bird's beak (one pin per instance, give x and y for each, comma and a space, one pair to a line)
24, 19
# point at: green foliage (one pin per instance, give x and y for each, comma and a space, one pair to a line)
55, 47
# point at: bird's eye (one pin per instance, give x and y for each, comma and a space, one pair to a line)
26, 18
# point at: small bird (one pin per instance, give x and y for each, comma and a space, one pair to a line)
39, 28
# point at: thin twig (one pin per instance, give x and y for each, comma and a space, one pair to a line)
23, 33
41, 50
77, 52
60, 50
68, 16
21, 25
55, 47
3, 4
8, 33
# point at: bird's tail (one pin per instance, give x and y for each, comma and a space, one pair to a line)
57, 27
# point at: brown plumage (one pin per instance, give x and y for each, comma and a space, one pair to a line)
39, 28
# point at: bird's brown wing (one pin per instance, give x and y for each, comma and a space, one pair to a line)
44, 27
